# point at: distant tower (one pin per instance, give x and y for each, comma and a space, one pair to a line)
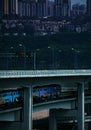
6, 7
66, 7
42, 7
50, 8
58, 5
89, 7
13, 6
39, 8
25, 7
62, 7
10, 7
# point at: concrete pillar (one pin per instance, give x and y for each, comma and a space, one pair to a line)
52, 120
27, 110
81, 106
88, 110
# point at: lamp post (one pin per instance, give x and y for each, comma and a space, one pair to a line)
54, 53
59, 60
34, 60
34, 53
9, 56
24, 49
53, 56
75, 52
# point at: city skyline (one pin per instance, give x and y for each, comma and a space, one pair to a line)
27, 8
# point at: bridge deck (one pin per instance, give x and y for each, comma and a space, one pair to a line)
43, 73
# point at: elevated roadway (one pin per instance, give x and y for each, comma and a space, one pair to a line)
68, 103
29, 79
66, 78
43, 73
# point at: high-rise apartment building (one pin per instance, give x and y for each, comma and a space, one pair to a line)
89, 7
39, 8
33, 8
50, 8
42, 8
6, 7
78, 10
36, 8
62, 8
13, 6
24, 8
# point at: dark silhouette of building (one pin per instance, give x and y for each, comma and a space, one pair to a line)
8, 7
39, 8
78, 10
62, 8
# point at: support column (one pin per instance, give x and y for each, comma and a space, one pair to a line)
52, 120
27, 110
81, 106
88, 110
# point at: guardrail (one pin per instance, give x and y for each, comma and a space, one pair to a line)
43, 73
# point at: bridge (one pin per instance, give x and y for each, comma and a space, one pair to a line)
29, 79
43, 73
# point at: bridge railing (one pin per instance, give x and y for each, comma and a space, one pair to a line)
43, 73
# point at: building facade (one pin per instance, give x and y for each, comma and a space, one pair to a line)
39, 8
8, 7
78, 10
62, 8
50, 9
24, 8
35, 8
13, 7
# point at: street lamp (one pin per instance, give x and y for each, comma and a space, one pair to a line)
59, 56
24, 49
55, 53
9, 56
76, 52
34, 58
53, 56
